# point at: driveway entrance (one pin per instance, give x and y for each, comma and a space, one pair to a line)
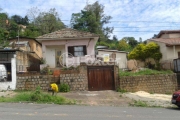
100, 78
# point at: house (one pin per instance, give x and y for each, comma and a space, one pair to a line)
67, 47
169, 42
27, 44
28, 55
22, 55
118, 57
16, 61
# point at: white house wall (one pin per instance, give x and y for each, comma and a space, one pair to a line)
12, 84
171, 54
163, 50
121, 58
168, 53
49, 47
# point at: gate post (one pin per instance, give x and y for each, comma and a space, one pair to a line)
13, 72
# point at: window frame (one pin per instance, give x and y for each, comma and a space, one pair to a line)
71, 49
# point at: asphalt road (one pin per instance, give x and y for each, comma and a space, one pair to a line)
27, 111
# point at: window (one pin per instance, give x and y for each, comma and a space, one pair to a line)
77, 50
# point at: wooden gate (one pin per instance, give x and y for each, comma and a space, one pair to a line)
101, 78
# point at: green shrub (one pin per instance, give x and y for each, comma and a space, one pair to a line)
64, 88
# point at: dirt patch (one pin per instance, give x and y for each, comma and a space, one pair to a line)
98, 98
161, 100
7, 93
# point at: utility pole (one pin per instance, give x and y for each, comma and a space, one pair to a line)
18, 39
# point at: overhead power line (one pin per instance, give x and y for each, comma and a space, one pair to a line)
141, 21
146, 26
148, 21
135, 31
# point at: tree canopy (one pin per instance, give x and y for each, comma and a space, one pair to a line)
35, 23
43, 22
92, 19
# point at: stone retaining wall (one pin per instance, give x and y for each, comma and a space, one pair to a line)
76, 79
150, 83
30, 82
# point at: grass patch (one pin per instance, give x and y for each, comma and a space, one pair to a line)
144, 72
121, 90
37, 97
139, 103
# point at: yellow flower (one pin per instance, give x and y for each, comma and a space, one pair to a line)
54, 87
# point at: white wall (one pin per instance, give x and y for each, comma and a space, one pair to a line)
11, 84
168, 53
121, 57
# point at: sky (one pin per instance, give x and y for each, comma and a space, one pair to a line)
130, 18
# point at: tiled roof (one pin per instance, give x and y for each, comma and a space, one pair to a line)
67, 33
168, 41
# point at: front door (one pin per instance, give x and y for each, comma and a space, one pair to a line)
57, 57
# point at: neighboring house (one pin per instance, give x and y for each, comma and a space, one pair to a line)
23, 55
16, 61
119, 57
27, 44
28, 53
169, 42
56, 45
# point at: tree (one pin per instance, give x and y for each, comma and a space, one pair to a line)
145, 51
31, 31
123, 45
46, 22
92, 19
115, 38
33, 14
131, 41
20, 20
3, 29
